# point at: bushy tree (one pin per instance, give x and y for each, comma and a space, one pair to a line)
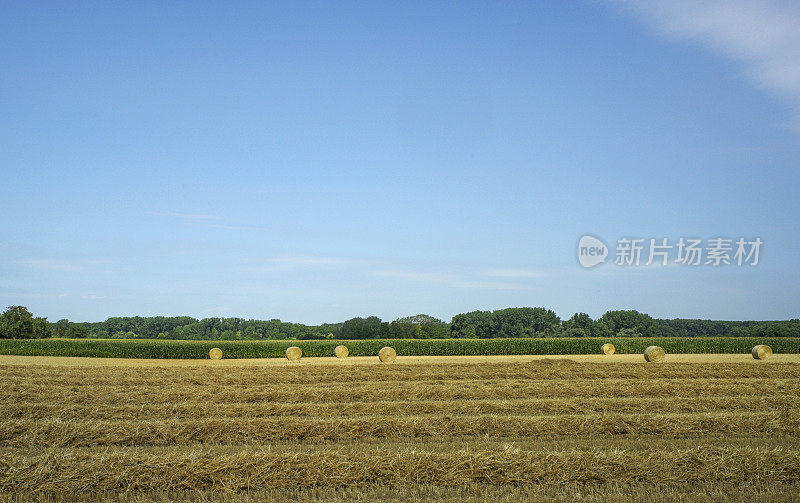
614, 321
574, 332
361, 328
581, 321
41, 328
77, 331
473, 325
420, 319
525, 322
60, 328
628, 332
420, 326
16, 323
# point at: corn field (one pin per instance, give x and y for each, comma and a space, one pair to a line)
104, 348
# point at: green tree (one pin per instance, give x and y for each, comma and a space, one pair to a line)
473, 325
525, 322
421, 326
580, 321
401, 330
573, 332
361, 328
617, 320
628, 332
16, 323
60, 328
77, 331
41, 328
420, 319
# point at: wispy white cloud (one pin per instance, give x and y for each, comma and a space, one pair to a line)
51, 264
58, 296
376, 268
448, 280
24, 295
213, 221
313, 260
235, 227
215, 311
515, 273
291, 262
92, 296
186, 216
488, 285
761, 34
63, 265
433, 277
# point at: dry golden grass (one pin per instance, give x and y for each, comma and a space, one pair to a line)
758, 492
56, 432
59, 471
459, 428
185, 410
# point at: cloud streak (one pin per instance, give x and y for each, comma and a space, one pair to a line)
64, 265
186, 216
763, 35
212, 221
291, 262
447, 280
515, 273
486, 279
313, 260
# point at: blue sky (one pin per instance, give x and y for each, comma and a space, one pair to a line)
314, 162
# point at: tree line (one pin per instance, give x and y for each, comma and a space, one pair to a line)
18, 323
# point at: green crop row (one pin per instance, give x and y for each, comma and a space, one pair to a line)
104, 348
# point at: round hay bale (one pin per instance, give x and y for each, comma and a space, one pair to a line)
215, 353
294, 354
387, 354
341, 351
608, 348
654, 354
762, 352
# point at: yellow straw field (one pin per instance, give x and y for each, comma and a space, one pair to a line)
716, 428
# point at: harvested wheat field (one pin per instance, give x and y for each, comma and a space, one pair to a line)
443, 429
